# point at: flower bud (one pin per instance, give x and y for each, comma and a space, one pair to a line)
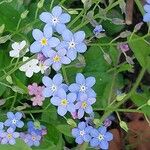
24, 14
123, 125
71, 122
4, 39
9, 79
107, 58
125, 34
2, 27
37, 124
120, 97
40, 4
148, 102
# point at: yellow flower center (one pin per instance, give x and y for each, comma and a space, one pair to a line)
100, 137
56, 58
84, 104
9, 136
64, 102
44, 41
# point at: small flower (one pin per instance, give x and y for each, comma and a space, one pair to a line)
30, 67
14, 120
64, 102
107, 122
97, 30
57, 19
37, 100
41, 57
146, 17
9, 136
17, 49
100, 138
36, 128
56, 59
52, 85
43, 67
123, 47
83, 86
84, 105
32, 139
74, 43
43, 40
34, 89
82, 133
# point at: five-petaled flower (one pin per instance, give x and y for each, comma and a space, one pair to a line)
100, 138
73, 42
82, 133
14, 120
84, 105
43, 40
83, 86
57, 19
64, 102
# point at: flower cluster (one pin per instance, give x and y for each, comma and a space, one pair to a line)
98, 138
146, 17
34, 134
76, 98
7, 129
36, 91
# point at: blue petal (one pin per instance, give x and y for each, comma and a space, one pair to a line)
35, 47
61, 110
94, 142
62, 44
56, 66
37, 34
86, 137
71, 97
47, 92
90, 81
46, 17
94, 133
81, 48
146, 17
80, 79
57, 79
62, 93
18, 115
36, 143
62, 52
8, 122
53, 42
10, 115
19, 124
89, 109
48, 62
91, 93
56, 11
45, 50
103, 144
75, 132
72, 54
51, 53
48, 31
60, 28
147, 8
64, 18
74, 87
79, 36
65, 60
47, 81
67, 35
102, 130
82, 125
55, 101
79, 140
71, 108
108, 136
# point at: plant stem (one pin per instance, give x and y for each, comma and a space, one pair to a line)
65, 75
18, 24
51, 5
13, 103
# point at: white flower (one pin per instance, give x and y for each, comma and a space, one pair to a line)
17, 49
43, 67
30, 67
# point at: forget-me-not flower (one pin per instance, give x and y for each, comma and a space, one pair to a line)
52, 85
146, 17
84, 105
74, 43
100, 138
57, 19
14, 120
56, 59
64, 102
83, 85
43, 40
9, 136
82, 133
97, 30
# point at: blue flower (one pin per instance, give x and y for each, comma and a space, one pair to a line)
57, 19
82, 133
64, 102
146, 17
74, 43
56, 59
13, 120
100, 138
32, 139
83, 86
9, 136
43, 40
84, 105
1, 126
33, 128
53, 85
97, 30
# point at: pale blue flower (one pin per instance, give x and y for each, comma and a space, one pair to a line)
65, 102
57, 19
74, 43
43, 40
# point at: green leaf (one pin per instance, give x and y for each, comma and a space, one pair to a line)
19, 145
141, 50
